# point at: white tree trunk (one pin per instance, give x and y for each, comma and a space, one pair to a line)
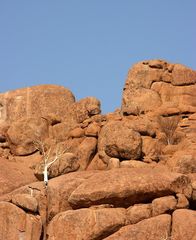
45, 172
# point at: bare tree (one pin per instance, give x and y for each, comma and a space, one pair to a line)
49, 157
168, 126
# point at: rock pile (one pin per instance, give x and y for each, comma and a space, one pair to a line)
130, 174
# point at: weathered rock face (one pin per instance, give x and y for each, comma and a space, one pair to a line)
131, 186
16, 224
138, 212
23, 133
163, 205
42, 111
184, 225
129, 174
155, 228
124, 187
26, 201
35, 101
13, 175
86, 223
86, 151
183, 162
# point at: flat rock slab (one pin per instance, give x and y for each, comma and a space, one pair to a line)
127, 186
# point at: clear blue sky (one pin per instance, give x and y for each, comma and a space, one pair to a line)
89, 45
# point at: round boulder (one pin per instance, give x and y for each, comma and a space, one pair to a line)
116, 140
23, 133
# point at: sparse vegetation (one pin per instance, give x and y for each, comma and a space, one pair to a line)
168, 126
49, 157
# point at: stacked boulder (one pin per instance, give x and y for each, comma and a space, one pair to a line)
129, 174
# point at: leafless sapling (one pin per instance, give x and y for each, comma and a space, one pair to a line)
50, 156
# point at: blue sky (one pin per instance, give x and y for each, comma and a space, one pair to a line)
89, 45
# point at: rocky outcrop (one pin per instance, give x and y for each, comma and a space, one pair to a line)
124, 188
158, 84
129, 174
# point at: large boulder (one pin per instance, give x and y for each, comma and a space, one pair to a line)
16, 224
35, 101
86, 224
182, 75
117, 140
124, 187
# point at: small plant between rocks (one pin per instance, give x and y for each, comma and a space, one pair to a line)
168, 126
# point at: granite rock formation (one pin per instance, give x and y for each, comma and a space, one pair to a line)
130, 174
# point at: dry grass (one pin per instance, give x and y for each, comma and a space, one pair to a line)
168, 126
